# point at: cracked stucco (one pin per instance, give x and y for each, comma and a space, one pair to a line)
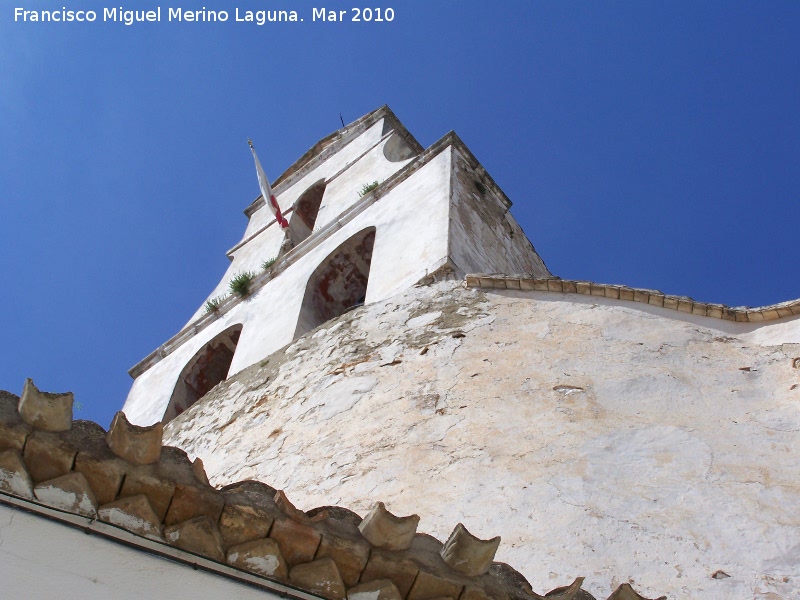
595, 436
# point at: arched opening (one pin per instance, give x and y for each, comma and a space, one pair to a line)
397, 149
207, 368
305, 212
339, 283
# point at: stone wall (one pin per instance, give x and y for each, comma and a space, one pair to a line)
160, 502
629, 441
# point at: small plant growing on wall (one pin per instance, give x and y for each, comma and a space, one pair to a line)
212, 305
240, 284
368, 187
268, 263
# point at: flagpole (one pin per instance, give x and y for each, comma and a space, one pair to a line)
266, 191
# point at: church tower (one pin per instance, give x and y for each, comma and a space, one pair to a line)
371, 213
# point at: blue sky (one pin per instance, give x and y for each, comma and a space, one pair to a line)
649, 144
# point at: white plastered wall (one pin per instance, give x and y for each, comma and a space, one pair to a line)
406, 248
411, 222
360, 162
286, 196
151, 391
248, 257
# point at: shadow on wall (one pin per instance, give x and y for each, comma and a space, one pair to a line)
339, 283
207, 368
306, 209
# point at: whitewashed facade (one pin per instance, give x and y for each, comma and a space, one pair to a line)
434, 213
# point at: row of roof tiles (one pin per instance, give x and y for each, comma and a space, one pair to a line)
622, 292
126, 478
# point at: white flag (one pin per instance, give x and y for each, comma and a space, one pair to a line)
266, 191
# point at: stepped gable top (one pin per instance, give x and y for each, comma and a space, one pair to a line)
123, 485
331, 144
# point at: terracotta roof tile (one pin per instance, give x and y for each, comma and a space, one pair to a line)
328, 551
685, 304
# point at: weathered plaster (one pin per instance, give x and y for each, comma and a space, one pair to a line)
482, 231
596, 436
436, 212
625, 434
347, 155
407, 247
262, 240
